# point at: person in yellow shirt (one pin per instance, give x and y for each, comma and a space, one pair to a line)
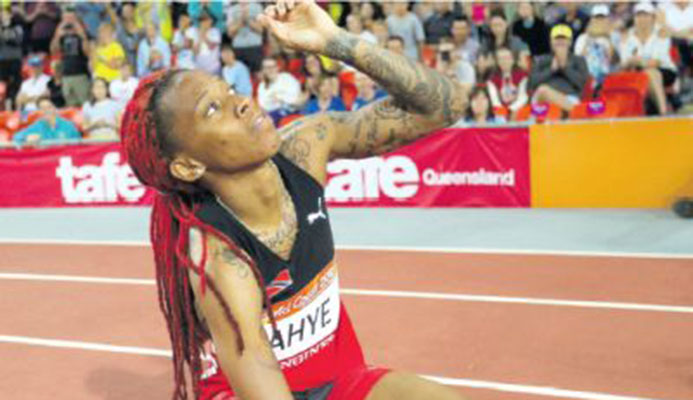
108, 55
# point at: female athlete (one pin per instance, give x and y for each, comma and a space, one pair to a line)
241, 237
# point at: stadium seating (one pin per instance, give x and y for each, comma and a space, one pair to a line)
629, 90
595, 109
539, 112
502, 112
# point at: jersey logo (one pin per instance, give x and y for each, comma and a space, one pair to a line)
312, 217
280, 283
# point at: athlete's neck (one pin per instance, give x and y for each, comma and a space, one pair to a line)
253, 195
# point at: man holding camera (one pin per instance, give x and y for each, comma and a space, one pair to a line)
71, 41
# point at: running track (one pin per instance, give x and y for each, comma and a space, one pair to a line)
498, 326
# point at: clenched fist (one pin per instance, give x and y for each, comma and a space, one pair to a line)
299, 24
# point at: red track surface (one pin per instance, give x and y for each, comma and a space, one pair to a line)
631, 353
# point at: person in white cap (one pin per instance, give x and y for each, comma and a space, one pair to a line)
645, 50
678, 19
595, 44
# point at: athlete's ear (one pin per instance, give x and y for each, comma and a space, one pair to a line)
186, 169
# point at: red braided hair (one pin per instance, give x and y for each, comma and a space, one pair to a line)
146, 147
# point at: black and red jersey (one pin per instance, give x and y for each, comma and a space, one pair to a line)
315, 339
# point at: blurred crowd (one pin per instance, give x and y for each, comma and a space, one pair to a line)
511, 55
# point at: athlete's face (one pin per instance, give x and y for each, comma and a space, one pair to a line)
215, 130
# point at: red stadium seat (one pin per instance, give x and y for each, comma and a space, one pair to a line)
349, 94
288, 119
73, 114
347, 78
295, 68
588, 90
595, 109
539, 112
428, 55
629, 90
502, 112
5, 135
10, 120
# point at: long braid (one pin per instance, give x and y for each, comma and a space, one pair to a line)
147, 149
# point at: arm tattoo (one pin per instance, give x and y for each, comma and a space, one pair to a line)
421, 100
421, 89
242, 270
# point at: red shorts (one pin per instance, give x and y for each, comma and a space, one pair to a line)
355, 384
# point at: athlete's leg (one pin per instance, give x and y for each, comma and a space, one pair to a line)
404, 386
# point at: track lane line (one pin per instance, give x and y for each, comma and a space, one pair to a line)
386, 293
416, 249
470, 383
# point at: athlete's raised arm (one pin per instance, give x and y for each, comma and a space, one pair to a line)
421, 100
254, 373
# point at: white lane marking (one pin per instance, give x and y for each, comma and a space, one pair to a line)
74, 279
521, 300
74, 344
533, 390
470, 383
390, 293
417, 249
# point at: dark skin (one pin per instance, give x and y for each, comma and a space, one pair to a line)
225, 143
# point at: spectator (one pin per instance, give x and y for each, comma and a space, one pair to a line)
128, 33
595, 44
370, 12
643, 49
207, 45
122, 89
325, 100
278, 92
531, 29
11, 37
507, 86
571, 13
439, 24
479, 110
214, 8
182, 43
157, 12
678, 19
379, 29
368, 92
34, 87
452, 65
101, 113
354, 25
395, 44
235, 73
48, 127
71, 41
246, 33
55, 85
498, 35
153, 52
108, 54
466, 47
407, 26
42, 18
92, 14
559, 77
314, 72
621, 21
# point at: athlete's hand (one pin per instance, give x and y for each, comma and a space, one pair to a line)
299, 24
